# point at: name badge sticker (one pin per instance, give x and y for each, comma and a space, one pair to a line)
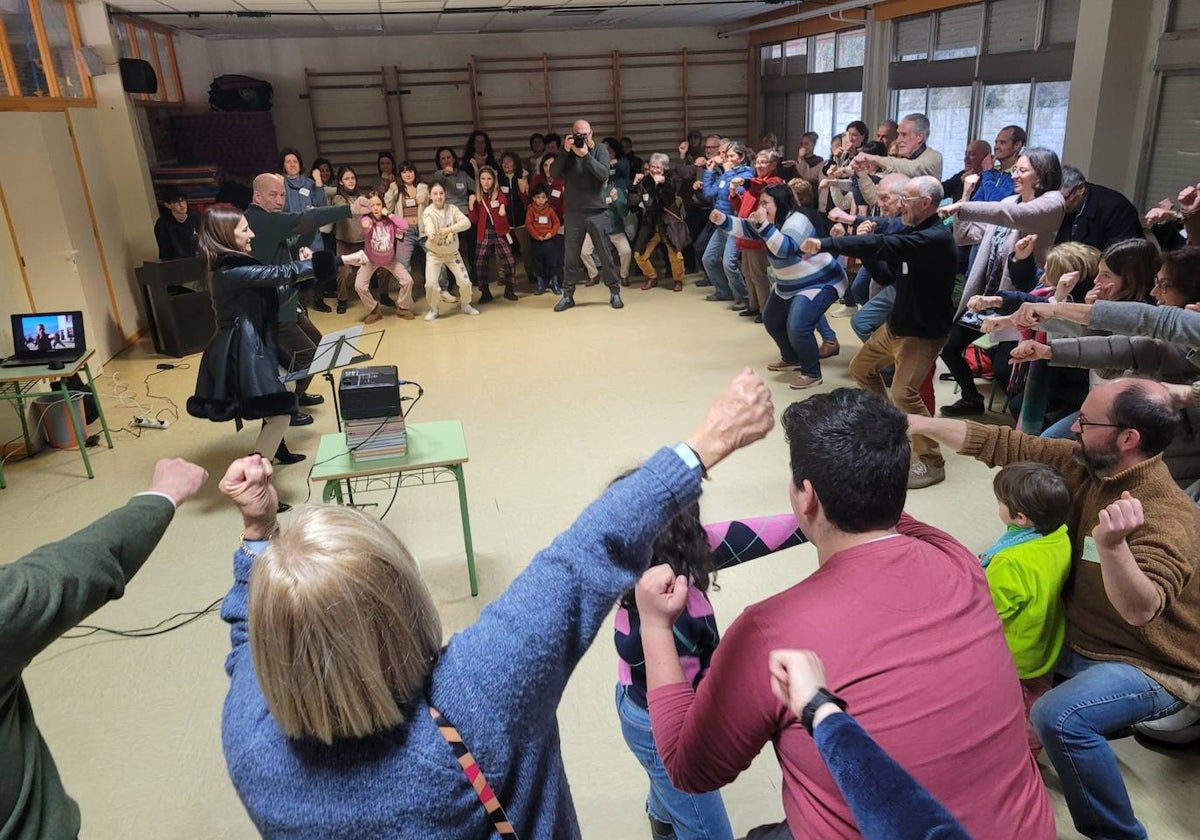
304, 191
410, 202
543, 220
555, 193
504, 189
495, 203
1091, 552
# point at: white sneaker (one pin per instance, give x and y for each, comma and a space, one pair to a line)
844, 311
468, 309
431, 315
446, 296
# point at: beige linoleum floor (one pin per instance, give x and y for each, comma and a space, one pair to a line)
554, 405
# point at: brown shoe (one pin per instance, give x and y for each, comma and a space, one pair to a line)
651, 283
802, 382
782, 365
373, 316
405, 314
829, 349
678, 286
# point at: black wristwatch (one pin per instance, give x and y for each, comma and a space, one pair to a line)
818, 700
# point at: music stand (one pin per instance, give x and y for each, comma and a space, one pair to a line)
336, 350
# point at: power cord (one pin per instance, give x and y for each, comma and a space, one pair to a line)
147, 632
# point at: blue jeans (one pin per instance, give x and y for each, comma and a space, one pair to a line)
873, 313
791, 324
721, 266
694, 815
859, 290
1072, 720
1061, 429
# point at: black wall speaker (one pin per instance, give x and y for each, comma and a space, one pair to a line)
138, 76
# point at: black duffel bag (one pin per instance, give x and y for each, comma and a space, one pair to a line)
240, 93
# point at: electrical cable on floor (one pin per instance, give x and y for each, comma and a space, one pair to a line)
146, 632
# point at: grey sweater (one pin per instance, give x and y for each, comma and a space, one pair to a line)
1169, 323
585, 179
977, 222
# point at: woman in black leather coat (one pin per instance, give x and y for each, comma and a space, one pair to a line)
239, 376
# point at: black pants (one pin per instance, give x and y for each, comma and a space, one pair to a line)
297, 340
595, 226
952, 354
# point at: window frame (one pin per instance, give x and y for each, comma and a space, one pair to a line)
1042, 63
55, 101
130, 26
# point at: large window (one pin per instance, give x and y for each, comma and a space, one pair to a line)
978, 68
39, 54
812, 84
829, 113
949, 112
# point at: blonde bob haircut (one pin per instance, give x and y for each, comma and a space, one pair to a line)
1067, 257
343, 631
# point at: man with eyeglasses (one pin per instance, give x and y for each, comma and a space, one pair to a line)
925, 260
1132, 606
1096, 215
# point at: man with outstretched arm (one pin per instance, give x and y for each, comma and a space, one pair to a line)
919, 323
1132, 604
42, 596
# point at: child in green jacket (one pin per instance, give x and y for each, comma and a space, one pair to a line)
1026, 569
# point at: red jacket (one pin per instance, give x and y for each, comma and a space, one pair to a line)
483, 209
752, 189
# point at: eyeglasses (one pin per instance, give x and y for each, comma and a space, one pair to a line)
1083, 424
908, 198
1162, 284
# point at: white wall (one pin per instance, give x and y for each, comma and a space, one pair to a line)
282, 62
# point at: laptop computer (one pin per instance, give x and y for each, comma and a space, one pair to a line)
43, 337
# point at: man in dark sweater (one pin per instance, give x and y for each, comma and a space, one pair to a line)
175, 230
46, 593
275, 235
920, 320
1131, 603
584, 168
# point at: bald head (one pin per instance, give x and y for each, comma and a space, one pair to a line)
977, 152
269, 192
888, 190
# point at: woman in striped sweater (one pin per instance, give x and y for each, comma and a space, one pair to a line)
805, 287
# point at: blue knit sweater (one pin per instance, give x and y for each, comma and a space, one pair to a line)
716, 185
499, 682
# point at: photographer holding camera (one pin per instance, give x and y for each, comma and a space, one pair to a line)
583, 166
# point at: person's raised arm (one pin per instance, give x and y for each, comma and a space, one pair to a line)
1169, 323
531, 637
247, 483
887, 803
1132, 593
53, 588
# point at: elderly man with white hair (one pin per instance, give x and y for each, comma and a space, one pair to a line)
914, 156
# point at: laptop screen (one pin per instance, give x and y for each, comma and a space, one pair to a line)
48, 334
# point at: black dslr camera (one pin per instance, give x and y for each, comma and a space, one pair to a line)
579, 139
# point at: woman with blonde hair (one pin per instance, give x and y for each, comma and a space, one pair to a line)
347, 717
239, 377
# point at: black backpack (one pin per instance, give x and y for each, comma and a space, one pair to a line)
240, 93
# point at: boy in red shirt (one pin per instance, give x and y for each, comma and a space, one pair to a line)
543, 225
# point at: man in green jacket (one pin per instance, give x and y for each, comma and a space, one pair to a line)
46, 593
275, 235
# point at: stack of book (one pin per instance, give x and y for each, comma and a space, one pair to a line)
373, 438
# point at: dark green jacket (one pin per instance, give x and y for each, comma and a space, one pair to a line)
42, 595
275, 234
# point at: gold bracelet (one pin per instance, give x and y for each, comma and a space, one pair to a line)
244, 545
